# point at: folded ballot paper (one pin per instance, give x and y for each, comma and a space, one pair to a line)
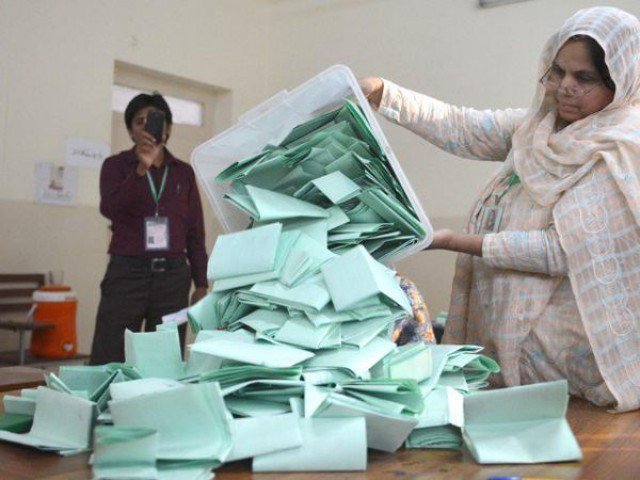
90, 382
246, 349
327, 444
24, 404
191, 421
355, 278
61, 423
120, 453
142, 386
217, 310
130, 453
411, 361
236, 262
355, 361
523, 424
453, 365
255, 436
386, 424
439, 424
154, 354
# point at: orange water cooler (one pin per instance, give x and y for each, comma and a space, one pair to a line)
56, 305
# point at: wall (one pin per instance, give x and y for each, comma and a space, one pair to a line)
449, 49
56, 70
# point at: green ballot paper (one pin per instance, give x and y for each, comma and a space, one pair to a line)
335, 186
361, 333
265, 205
154, 354
386, 428
447, 437
356, 277
263, 435
89, 382
255, 407
443, 356
440, 423
333, 160
19, 405
230, 376
235, 254
246, 350
401, 396
16, 423
61, 423
142, 386
301, 332
124, 453
408, 361
191, 421
524, 424
308, 295
328, 444
356, 361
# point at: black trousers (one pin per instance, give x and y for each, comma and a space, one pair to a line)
131, 293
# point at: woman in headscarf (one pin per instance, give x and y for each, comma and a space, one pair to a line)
548, 276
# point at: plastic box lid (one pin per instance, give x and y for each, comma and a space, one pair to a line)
270, 122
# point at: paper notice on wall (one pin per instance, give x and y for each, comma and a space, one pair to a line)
56, 185
86, 153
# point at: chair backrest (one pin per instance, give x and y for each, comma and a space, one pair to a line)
16, 290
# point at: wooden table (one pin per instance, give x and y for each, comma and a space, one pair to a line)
610, 443
15, 378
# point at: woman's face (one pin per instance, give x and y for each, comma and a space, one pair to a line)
576, 84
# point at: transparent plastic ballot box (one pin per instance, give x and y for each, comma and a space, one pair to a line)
270, 122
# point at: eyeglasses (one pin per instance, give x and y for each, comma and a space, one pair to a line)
552, 79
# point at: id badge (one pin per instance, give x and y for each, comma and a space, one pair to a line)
490, 220
156, 233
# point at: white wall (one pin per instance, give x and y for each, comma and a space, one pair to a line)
56, 72
449, 49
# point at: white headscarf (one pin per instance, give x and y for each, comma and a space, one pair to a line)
549, 163
589, 172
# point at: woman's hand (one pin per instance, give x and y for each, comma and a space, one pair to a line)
372, 87
442, 239
447, 239
148, 152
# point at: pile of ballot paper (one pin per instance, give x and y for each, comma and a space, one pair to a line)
159, 417
330, 179
293, 365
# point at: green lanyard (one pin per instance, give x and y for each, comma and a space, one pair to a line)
514, 179
154, 193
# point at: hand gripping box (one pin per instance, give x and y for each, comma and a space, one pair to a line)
270, 122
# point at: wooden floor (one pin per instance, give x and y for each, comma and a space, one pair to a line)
610, 443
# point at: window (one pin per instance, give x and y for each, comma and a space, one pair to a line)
185, 112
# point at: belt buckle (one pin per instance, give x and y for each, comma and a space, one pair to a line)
158, 265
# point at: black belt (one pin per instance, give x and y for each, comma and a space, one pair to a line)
156, 264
